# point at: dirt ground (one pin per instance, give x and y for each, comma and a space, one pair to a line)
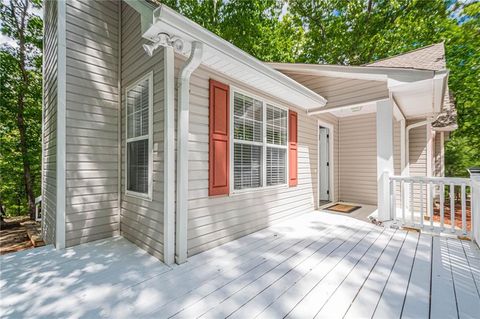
458, 216
13, 235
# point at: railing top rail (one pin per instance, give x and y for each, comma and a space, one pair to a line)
434, 180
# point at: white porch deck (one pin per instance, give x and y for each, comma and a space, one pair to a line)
317, 265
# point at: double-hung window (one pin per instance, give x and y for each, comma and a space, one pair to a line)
276, 145
139, 137
259, 143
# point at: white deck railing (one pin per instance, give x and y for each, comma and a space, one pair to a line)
412, 201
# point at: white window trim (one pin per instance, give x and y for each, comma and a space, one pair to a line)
264, 144
148, 195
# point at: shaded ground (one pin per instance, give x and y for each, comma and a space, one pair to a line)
14, 236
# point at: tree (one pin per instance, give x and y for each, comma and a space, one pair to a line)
259, 27
21, 89
463, 60
354, 32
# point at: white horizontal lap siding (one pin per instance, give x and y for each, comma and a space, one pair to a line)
49, 122
91, 128
418, 161
358, 159
213, 221
142, 220
397, 158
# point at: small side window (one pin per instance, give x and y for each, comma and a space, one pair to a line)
139, 137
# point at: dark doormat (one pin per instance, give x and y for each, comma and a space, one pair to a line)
343, 208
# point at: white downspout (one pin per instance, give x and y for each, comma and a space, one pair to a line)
182, 146
403, 156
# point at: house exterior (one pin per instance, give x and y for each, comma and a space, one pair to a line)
160, 131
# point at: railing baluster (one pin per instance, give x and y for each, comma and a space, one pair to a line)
412, 209
464, 212
442, 204
421, 204
402, 191
452, 207
393, 204
402, 198
430, 203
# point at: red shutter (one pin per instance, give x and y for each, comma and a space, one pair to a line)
218, 156
292, 148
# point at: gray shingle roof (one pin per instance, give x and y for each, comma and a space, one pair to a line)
431, 57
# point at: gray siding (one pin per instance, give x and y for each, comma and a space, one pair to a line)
142, 220
49, 161
216, 220
358, 159
439, 169
418, 161
91, 120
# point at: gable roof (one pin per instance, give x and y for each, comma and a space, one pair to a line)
225, 58
431, 57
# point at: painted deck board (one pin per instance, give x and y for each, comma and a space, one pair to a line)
468, 299
417, 299
365, 302
317, 265
444, 302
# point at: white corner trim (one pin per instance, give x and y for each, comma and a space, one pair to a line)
119, 118
331, 159
182, 148
60, 236
169, 157
42, 170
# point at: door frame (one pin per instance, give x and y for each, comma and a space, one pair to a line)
331, 171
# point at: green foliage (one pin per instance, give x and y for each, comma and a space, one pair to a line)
463, 60
256, 26
14, 83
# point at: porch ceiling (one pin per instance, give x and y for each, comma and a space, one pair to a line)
418, 93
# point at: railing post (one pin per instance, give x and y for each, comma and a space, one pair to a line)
475, 206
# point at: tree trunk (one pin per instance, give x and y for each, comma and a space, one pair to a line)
27, 176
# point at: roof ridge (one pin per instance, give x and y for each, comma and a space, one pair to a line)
405, 53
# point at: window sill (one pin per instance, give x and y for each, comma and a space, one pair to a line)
256, 190
143, 196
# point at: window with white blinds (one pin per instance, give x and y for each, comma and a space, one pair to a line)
139, 136
276, 145
259, 143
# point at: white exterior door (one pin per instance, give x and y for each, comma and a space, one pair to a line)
324, 165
